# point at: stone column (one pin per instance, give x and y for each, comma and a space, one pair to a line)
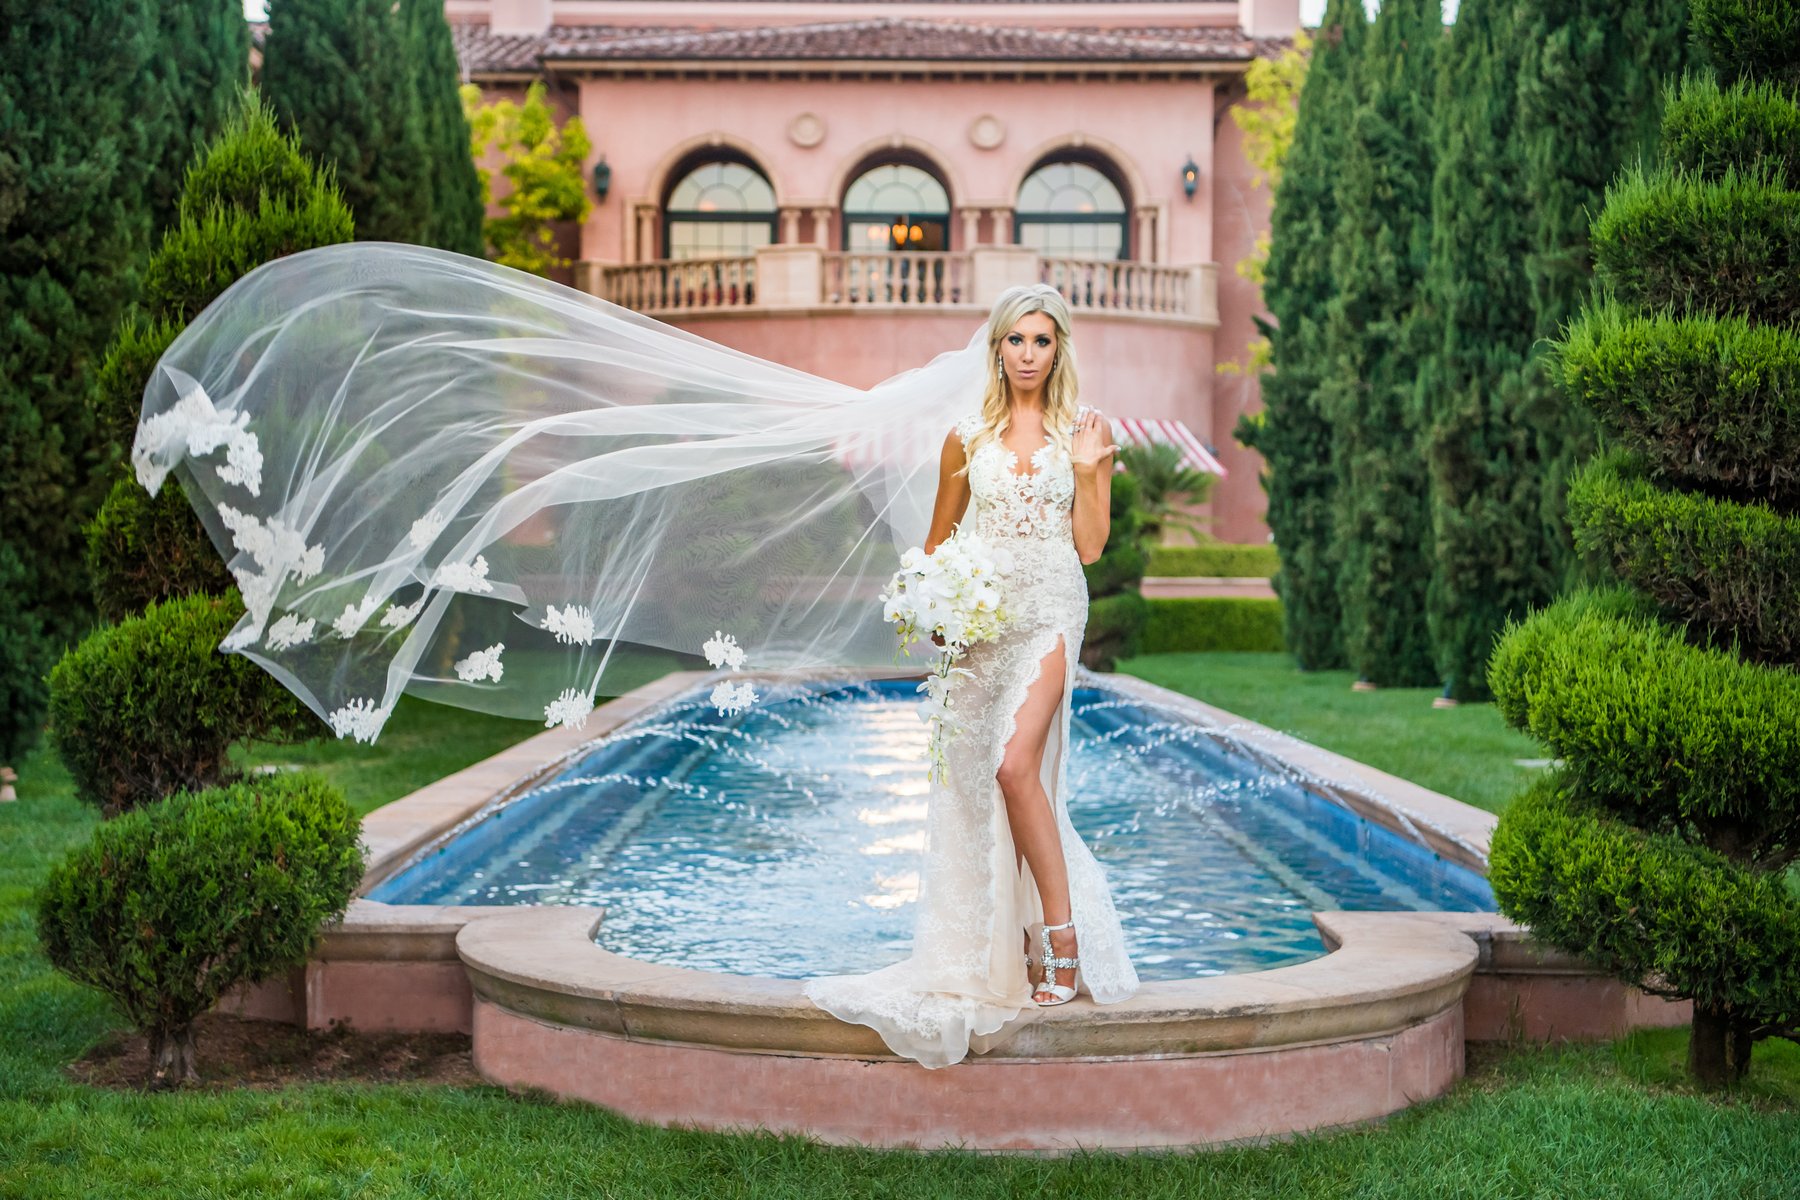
823, 227
1145, 249
971, 223
1003, 226
790, 225
646, 248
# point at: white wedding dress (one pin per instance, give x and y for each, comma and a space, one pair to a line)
966, 982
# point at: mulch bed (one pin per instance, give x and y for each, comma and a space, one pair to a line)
237, 1053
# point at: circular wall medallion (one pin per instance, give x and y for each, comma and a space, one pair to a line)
986, 131
806, 130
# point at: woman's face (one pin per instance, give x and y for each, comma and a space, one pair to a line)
1027, 350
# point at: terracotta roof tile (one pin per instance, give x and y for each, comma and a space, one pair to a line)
876, 38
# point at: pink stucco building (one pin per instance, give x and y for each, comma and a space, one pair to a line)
845, 185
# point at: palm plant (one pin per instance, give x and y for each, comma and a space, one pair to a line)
1166, 488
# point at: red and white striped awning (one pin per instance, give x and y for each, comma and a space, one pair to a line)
1143, 432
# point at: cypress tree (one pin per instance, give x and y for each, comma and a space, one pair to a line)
202, 69
1589, 91
340, 73
1292, 433
1490, 561
73, 229
458, 204
1379, 255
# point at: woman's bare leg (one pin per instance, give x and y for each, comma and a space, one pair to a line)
1028, 813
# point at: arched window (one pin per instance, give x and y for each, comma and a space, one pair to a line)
1071, 209
720, 207
896, 206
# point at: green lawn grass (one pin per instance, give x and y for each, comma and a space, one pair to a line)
1467, 752
1600, 1121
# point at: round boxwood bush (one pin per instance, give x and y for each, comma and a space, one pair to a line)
167, 907
150, 706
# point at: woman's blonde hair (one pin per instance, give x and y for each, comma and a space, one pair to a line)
1062, 389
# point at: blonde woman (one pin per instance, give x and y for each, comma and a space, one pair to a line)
1031, 468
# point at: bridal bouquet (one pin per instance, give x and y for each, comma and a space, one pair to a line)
953, 593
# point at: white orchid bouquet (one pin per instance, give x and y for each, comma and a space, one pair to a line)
955, 593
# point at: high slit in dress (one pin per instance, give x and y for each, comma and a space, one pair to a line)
965, 984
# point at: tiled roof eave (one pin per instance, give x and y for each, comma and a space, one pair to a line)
882, 66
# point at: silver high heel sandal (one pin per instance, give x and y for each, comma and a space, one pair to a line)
1052, 963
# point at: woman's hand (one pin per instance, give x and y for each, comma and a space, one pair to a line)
1092, 441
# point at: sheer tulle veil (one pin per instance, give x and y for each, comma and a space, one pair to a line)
433, 474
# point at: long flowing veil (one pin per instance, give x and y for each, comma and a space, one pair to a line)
433, 474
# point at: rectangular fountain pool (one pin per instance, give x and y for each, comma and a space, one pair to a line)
785, 841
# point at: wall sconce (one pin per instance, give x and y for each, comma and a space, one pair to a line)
602, 178
1190, 177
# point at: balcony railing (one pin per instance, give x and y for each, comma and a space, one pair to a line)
789, 277
919, 278
682, 283
1120, 286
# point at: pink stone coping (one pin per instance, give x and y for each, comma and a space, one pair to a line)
1389, 972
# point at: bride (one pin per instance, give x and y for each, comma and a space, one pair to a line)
435, 475
1001, 857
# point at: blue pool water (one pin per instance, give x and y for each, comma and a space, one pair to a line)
785, 841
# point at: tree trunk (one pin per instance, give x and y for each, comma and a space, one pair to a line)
172, 1057
1718, 1047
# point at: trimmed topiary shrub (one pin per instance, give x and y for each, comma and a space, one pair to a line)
1190, 624
1709, 130
1731, 569
1669, 240
168, 907
142, 549
1713, 402
1667, 849
1667, 731
1677, 919
150, 706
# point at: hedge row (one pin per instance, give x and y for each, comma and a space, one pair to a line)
1708, 129
1224, 561
149, 706
1676, 240
1195, 623
1661, 728
1711, 403
1733, 568
1645, 905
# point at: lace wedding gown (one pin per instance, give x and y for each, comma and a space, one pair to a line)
966, 978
